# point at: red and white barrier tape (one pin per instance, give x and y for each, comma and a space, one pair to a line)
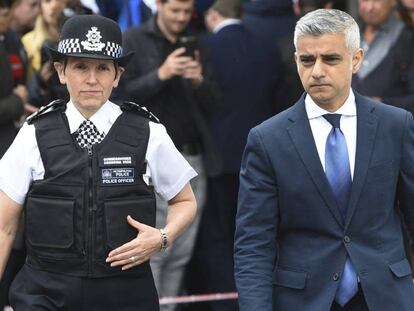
188, 299
198, 298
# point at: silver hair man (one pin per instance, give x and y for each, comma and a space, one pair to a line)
329, 21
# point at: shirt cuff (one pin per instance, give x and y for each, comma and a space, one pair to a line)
11, 193
172, 191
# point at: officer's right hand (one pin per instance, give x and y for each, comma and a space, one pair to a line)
174, 65
21, 91
138, 250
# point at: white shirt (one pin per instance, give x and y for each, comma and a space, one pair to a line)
321, 127
166, 167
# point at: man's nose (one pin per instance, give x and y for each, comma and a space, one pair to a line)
182, 16
318, 70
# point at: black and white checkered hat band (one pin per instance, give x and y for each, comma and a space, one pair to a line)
69, 46
114, 50
73, 46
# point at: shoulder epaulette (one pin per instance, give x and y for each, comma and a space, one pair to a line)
54, 105
141, 110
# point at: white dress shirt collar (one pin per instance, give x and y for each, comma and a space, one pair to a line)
103, 118
314, 111
321, 127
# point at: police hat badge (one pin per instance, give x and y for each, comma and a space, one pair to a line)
90, 36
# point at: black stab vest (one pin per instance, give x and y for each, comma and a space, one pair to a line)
77, 214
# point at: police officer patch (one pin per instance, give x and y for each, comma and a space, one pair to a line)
117, 170
118, 176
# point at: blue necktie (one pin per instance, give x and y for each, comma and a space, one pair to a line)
338, 173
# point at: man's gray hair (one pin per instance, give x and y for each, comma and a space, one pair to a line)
329, 21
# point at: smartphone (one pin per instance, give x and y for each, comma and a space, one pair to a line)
190, 44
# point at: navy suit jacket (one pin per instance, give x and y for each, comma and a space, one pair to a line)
291, 243
248, 76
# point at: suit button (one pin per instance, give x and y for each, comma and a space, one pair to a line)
347, 239
335, 277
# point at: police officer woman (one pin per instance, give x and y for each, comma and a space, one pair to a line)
85, 173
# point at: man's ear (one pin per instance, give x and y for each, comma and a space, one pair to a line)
61, 72
357, 60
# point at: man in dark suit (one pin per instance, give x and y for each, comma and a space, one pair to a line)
248, 77
317, 226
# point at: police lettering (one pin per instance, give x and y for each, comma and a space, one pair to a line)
118, 181
109, 181
122, 173
125, 180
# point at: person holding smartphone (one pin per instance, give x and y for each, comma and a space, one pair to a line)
177, 88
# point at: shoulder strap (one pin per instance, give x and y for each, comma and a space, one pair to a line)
53, 106
142, 111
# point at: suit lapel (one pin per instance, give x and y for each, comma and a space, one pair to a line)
302, 137
367, 124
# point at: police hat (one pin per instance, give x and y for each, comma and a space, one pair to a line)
90, 36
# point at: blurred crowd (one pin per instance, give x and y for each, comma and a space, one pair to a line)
239, 71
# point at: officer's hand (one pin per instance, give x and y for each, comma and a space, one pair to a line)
174, 65
193, 70
139, 250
